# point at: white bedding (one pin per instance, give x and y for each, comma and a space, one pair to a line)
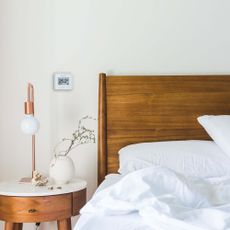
89, 221
190, 157
161, 199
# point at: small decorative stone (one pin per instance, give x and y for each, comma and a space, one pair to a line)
50, 187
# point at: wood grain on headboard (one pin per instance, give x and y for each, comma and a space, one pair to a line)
136, 109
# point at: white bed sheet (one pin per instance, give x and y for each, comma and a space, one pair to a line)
158, 198
98, 222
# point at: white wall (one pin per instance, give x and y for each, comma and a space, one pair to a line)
86, 37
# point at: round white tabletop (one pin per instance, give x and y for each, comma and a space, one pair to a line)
16, 188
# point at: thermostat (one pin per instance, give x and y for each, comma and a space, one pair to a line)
62, 81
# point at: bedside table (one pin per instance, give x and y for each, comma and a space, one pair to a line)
24, 203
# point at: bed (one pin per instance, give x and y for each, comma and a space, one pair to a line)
134, 109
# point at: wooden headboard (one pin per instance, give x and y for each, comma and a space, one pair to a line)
154, 108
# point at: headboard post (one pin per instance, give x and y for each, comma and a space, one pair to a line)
102, 146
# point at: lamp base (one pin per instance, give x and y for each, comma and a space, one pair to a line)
25, 180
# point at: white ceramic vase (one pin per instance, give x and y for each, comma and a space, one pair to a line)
61, 170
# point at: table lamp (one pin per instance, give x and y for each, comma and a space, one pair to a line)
30, 125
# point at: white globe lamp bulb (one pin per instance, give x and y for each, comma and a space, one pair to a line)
29, 125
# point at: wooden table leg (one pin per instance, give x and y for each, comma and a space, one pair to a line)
64, 224
9, 226
13, 226
18, 226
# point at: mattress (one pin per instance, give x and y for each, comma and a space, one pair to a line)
131, 221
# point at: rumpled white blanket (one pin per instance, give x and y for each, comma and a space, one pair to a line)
167, 200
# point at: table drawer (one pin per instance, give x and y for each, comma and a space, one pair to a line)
35, 209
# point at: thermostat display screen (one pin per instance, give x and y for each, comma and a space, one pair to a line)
63, 81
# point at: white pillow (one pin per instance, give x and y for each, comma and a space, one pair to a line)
218, 128
193, 158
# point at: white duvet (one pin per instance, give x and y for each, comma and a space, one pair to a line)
166, 200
